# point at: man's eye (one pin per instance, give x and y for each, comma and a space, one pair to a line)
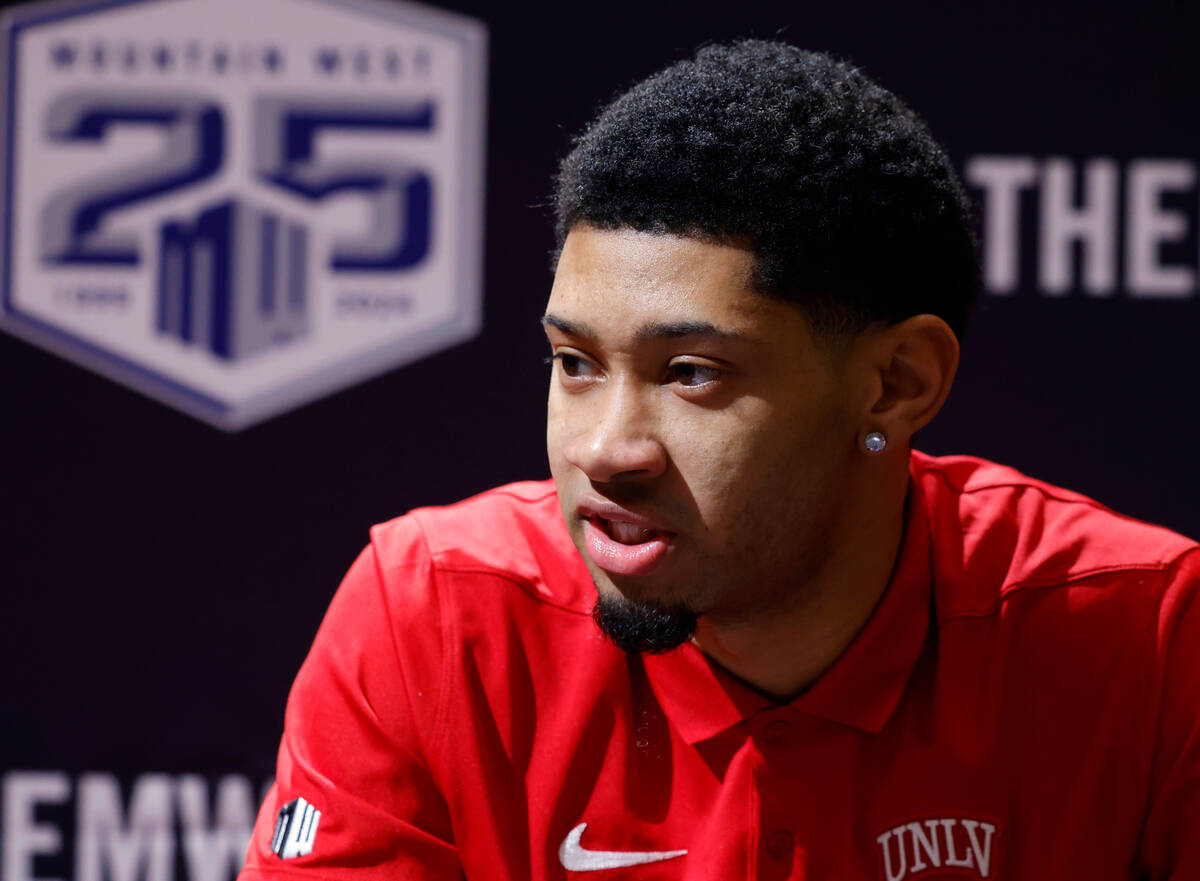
572, 365
691, 375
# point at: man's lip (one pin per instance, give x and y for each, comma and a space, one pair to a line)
619, 558
591, 509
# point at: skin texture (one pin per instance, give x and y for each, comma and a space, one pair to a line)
685, 399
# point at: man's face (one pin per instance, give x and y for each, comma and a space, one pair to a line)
698, 435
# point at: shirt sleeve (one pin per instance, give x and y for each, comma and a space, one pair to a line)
1170, 849
354, 795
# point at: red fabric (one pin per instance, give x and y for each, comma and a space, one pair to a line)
1024, 701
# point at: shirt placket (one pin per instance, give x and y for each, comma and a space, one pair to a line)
778, 786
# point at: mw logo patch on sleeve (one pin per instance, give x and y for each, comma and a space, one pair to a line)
295, 829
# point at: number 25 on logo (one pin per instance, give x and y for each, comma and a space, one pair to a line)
201, 284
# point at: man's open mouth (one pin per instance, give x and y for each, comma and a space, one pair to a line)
626, 533
624, 548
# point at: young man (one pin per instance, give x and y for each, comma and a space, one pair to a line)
828, 656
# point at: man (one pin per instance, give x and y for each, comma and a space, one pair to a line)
828, 656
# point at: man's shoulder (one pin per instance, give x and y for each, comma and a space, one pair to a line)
513, 532
996, 532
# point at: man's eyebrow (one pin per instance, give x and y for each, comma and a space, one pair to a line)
571, 328
657, 330
674, 329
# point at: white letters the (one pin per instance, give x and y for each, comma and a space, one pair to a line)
1094, 225
1001, 178
22, 836
110, 849
1148, 225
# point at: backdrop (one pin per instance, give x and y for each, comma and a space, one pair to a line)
162, 578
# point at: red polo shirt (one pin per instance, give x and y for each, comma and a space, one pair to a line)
1024, 704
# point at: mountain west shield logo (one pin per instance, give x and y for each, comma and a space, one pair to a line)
236, 206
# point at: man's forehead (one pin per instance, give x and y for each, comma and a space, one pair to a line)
653, 286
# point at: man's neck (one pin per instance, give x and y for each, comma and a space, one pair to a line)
783, 649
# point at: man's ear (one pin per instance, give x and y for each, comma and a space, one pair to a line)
910, 367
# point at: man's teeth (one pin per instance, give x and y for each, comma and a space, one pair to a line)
628, 533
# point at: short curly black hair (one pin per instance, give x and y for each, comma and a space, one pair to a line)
850, 206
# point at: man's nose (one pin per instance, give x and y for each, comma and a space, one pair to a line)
618, 439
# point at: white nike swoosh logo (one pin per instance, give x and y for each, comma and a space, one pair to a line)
576, 858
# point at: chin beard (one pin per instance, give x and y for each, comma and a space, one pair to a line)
638, 628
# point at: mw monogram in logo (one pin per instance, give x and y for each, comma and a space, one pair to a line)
295, 829
946, 842
236, 217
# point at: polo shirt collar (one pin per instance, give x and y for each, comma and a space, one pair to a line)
861, 689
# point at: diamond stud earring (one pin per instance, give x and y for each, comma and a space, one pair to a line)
875, 442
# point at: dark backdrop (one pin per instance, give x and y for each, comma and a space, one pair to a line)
162, 579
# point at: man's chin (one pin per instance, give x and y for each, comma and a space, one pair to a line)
641, 628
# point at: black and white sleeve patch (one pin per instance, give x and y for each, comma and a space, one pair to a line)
295, 829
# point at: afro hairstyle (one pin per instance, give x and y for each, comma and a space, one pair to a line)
850, 207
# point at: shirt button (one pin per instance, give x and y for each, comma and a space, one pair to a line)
780, 844
777, 732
